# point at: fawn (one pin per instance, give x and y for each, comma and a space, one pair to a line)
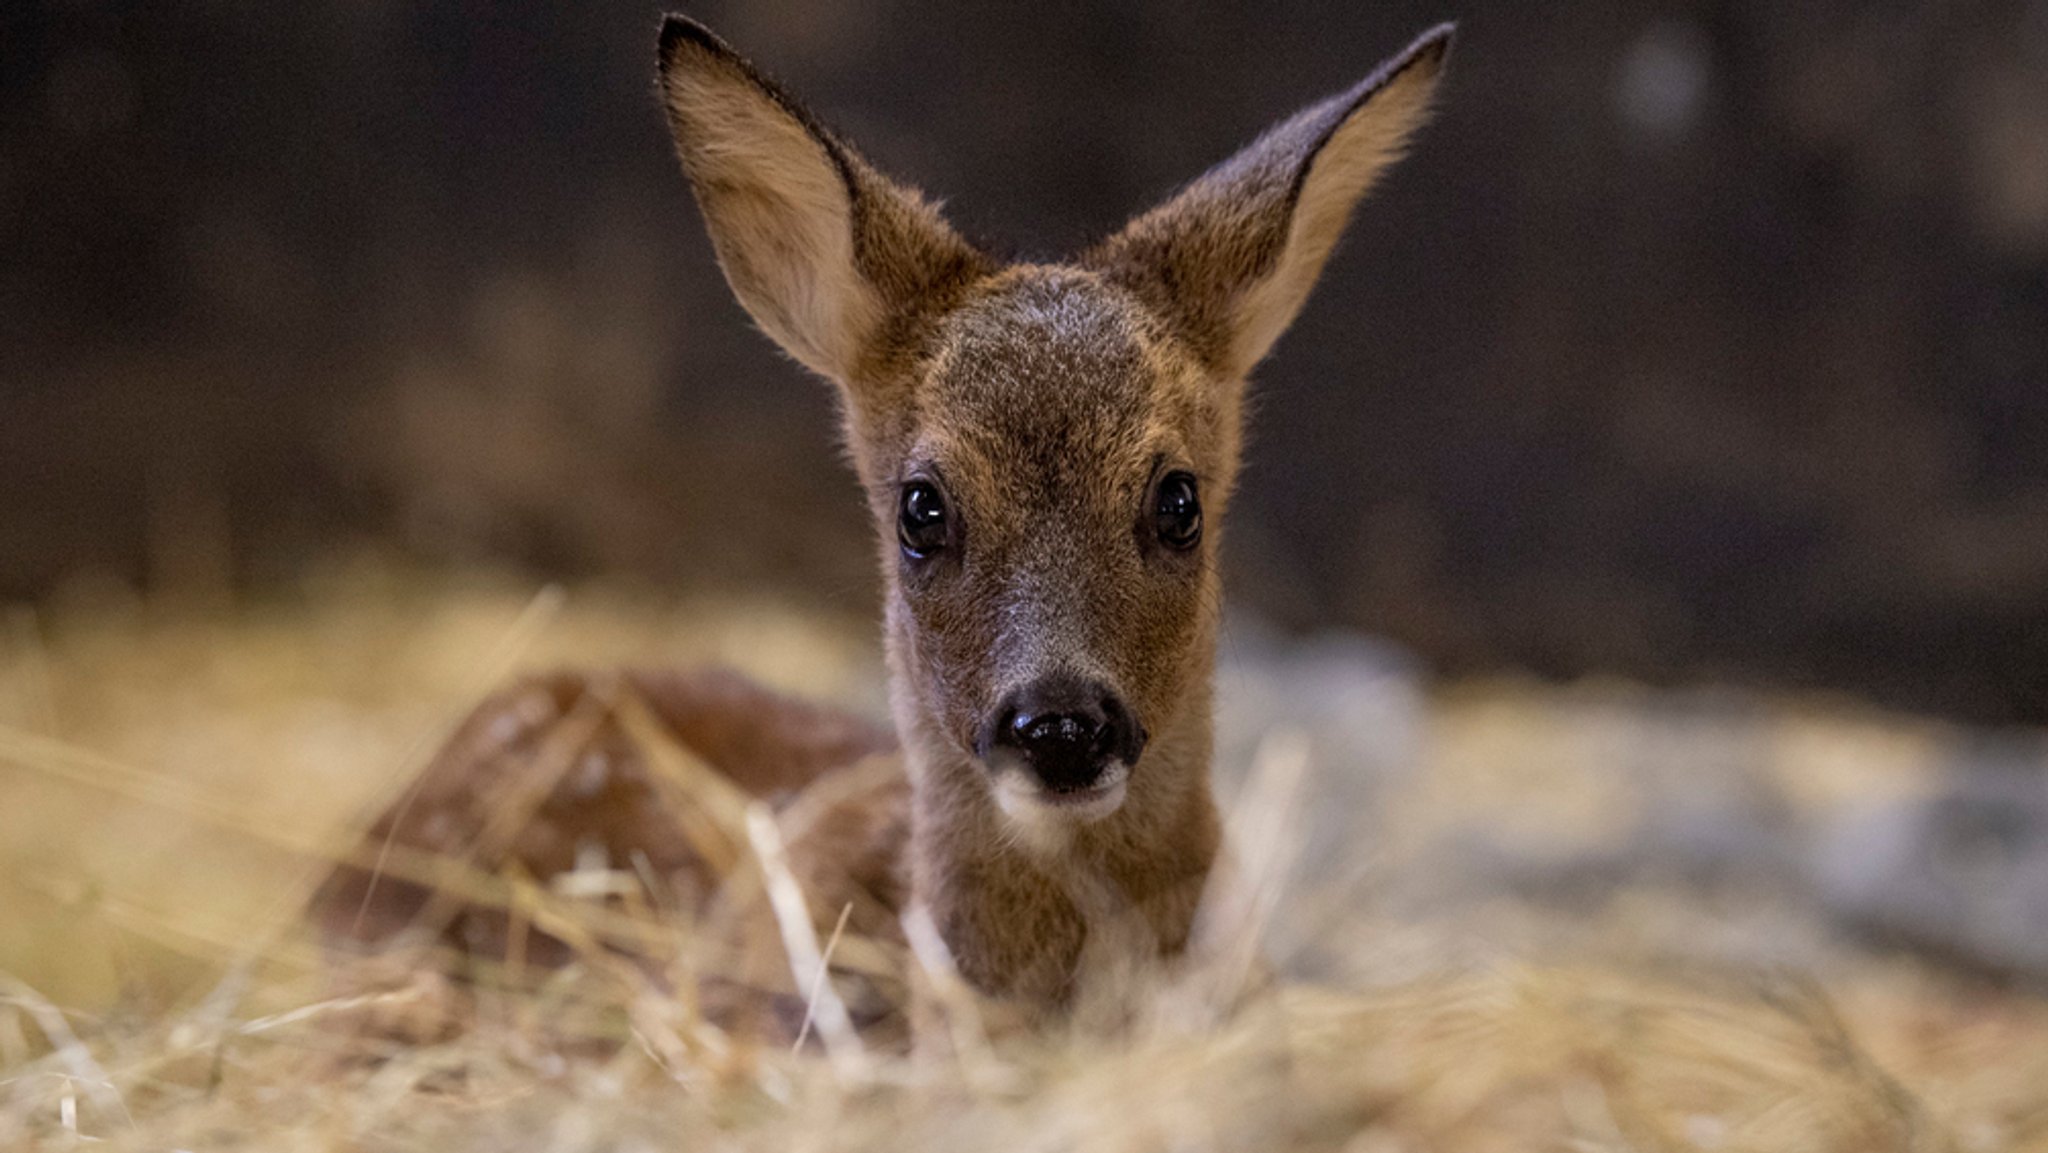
1047, 451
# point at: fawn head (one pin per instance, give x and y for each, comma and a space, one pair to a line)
1047, 449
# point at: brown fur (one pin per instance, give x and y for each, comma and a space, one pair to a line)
546, 769
1046, 401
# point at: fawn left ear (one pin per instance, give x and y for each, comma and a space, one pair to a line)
824, 251
1230, 260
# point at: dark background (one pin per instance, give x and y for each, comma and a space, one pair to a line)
1695, 341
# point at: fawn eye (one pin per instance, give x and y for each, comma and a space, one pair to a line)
1177, 513
921, 520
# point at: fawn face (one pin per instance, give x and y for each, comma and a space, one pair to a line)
1049, 504
1047, 449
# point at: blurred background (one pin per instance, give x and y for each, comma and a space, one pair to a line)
1643, 552
1696, 342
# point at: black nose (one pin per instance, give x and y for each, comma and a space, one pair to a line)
1068, 730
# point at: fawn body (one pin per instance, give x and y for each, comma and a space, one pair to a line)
1047, 451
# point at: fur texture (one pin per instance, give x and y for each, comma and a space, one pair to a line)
1045, 402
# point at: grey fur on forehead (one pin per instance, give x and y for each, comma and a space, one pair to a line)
1057, 330
1047, 389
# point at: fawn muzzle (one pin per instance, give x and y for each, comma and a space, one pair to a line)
1067, 731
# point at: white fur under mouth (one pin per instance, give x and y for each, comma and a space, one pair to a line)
1028, 802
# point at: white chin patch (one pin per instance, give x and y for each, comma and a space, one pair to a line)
1045, 817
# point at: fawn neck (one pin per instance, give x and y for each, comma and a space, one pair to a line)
1018, 903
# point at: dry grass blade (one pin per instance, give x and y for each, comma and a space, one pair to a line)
710, 811
59, 760
806, 961
67, 1051
532, 620
803, 1032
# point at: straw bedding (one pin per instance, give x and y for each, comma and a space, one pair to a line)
178, 784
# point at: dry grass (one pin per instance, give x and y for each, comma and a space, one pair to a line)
174, 785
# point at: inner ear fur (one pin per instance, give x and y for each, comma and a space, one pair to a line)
1231, 258
828, 255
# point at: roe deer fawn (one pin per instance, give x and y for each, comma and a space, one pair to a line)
1047, 451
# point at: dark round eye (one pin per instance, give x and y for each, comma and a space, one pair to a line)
921, 520
1178, 511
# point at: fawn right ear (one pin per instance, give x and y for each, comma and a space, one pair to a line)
822, 250
1231, 259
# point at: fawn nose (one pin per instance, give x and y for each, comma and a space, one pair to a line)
1067, 731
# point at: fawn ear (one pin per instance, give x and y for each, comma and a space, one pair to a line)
1231, 258
822, 250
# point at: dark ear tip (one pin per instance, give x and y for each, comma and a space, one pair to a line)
679, 32
1433, 45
